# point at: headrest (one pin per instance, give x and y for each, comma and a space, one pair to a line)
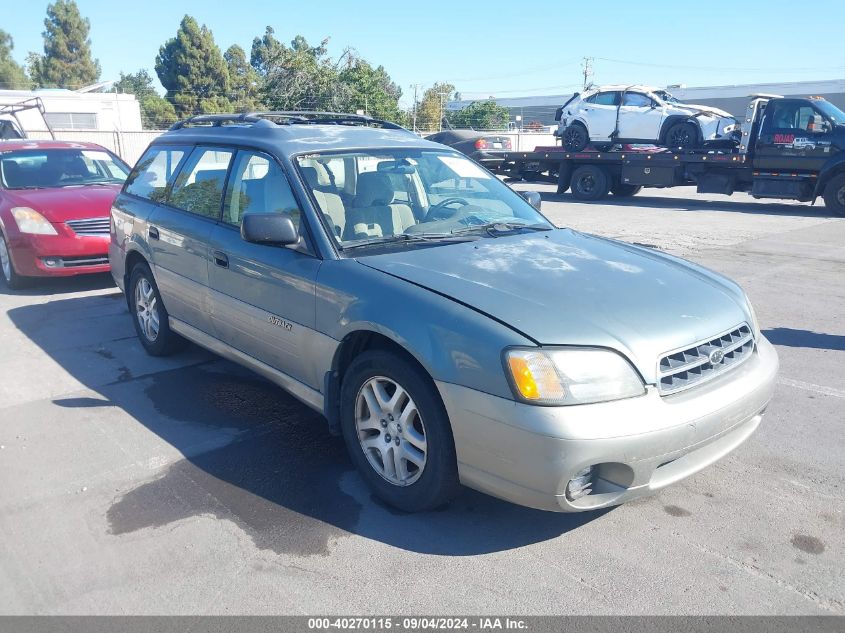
374, 189
311, 176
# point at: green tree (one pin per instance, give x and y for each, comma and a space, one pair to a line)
12, 74
157, 113
266, 52
244, 80
193, 71
67, 60
301, 77
369, 89
432, 106
481, 115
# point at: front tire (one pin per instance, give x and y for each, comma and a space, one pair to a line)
398, 433
682, 135
834, 195
149, 314
13, 280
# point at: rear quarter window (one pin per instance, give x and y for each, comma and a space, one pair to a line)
150, 177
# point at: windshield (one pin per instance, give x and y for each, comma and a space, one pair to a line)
830, 110
668, 98
394, 195
49, 168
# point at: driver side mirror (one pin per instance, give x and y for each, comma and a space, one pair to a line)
533, 198
269, 228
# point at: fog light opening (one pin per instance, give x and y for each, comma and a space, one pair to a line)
580, 485
52, 262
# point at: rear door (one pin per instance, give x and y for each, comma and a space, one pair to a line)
794, 136
263, 296
179, 231
639, 117
599, 111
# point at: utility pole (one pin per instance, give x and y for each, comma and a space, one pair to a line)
442, 94
415, 87
587, 66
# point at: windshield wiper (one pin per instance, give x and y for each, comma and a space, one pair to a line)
494, 228
405, 237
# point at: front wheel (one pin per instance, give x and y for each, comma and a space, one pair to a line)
682, 135
149, 315
834, 195
13, 280
398, 433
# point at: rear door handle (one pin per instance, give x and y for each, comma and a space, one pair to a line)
220, 258
153, 232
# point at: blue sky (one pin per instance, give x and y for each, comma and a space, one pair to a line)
505, 49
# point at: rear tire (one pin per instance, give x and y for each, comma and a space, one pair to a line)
834, 195
682, 135
149, 314
13, 280
575, 137
589, 182
412, 468
621, 190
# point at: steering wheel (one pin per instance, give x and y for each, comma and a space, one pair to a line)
440, 211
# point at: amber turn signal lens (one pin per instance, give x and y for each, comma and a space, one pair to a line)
523, 379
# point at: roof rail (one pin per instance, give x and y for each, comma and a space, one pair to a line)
287, 117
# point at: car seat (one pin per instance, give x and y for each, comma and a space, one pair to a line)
374, 211
331, 204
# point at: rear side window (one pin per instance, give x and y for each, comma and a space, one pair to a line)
152, 173
199, 186
258, 185
605, 98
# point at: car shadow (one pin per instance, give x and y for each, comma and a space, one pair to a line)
254, 455
790, 337
47, 286
697, 204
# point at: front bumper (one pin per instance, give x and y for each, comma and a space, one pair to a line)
59, 255
527, 454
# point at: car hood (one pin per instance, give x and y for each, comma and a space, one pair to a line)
709, 110
67, 203
562, 287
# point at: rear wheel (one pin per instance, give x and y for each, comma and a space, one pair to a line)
149, 315
575, 137
834, 195
622, 190
13, 280
589, 182
684, 135
397, 432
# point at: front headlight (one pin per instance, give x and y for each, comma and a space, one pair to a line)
30, 221
570, 376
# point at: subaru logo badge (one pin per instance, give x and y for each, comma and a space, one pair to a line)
647, 170
716, 356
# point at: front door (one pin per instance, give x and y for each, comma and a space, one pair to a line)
639, 117
263, 296
795, 136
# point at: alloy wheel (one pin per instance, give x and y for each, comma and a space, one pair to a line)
146, 308
5, 260
390, 431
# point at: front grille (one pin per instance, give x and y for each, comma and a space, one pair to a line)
91, 226
684, 368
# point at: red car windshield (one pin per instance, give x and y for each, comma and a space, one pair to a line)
62, 167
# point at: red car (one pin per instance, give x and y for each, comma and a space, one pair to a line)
55, 202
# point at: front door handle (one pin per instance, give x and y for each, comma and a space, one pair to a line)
220, 258
153, 232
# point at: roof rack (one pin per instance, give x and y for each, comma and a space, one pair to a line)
12, 109
286, 117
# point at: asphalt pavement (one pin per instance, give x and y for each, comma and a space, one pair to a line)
136, 485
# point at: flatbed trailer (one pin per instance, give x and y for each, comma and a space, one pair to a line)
801, 162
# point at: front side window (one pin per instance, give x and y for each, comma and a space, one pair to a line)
199, 186
153, 172
52, 168
636, 99
411, 195
258, 185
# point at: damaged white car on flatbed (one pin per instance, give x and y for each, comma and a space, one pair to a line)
608, 115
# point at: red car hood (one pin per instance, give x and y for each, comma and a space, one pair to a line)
67, 203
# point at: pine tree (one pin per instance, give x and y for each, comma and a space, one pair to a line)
67, 60
157, 113
193, 71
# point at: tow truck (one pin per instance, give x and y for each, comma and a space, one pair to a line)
789, 148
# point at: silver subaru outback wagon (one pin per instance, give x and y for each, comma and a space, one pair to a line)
448, 330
